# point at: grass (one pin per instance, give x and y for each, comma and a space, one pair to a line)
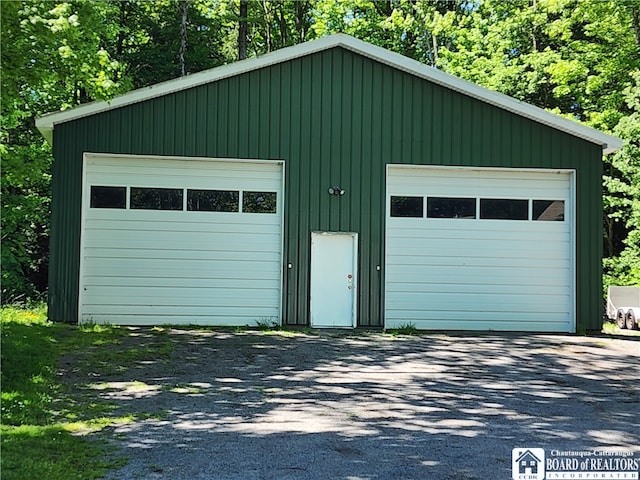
610, 328
404, 329
49, 427
267, 324
52, 452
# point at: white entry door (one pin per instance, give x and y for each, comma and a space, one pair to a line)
333, 280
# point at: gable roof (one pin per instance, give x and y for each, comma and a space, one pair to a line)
609, 143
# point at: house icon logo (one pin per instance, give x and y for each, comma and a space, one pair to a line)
527, 463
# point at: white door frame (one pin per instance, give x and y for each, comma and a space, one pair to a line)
354, 269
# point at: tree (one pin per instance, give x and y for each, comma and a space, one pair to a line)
622, 184
242, 29
53, 57
165, 39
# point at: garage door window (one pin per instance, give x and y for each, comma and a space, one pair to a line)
213, 200
448, 207
407, 207
156, 198
548, 210
504, 209
108, 197
259, 202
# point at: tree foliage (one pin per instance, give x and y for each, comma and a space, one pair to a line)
578, 58
52, 58
622, 184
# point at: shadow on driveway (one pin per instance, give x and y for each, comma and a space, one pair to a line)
253, 405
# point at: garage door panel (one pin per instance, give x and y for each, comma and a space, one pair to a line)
214, 168
491, 270
439, 287
173, 173
183, 227
172, 296
474, 279
463, 301
253, 313
178, 254
168, 266
472, 250
514, 257
177, 240
513, 263
529, 323
423, 320
174, 318
184, 268
479, 239
444, 190
111, 219
449, 317
532, 184
228, 316
530, 236
192, 282
460, 274
194, 182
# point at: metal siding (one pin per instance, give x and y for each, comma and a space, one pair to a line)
589, 239
335, 118
343, 168
65, 225
324, 146
298, 214
520, 144
362, 124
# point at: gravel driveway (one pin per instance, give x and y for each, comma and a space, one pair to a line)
254, 405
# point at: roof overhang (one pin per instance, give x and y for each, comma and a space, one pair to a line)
608, 143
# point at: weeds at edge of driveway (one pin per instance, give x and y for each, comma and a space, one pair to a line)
610, 328
49, 428
408, 328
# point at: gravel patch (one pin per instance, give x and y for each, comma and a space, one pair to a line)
254, 405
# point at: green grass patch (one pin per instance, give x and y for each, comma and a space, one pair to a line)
610, 328
404, 329
29, 355
51, 452
267, 324
49, 427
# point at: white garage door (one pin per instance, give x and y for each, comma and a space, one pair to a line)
479, 249
170, 240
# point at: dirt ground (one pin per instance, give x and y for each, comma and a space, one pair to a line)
260, 405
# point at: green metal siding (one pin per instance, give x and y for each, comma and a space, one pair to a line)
335, 118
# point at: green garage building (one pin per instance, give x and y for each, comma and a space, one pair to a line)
330, 184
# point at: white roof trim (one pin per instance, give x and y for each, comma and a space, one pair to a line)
609, 143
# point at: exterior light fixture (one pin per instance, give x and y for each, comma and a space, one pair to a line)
336, 191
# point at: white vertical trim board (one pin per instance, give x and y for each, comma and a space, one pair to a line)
478, 273
148, 267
